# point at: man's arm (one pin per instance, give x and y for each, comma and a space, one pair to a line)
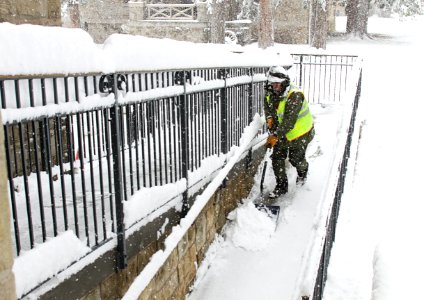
267, 109
270, 112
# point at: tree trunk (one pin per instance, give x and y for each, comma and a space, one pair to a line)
218, 22
74, 15
266, 26
319, 24
351, 13
357, 17
362, 19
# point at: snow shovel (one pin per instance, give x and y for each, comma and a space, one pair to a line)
261, 203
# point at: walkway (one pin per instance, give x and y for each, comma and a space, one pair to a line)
248, 264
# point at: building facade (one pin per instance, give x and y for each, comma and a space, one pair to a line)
39, 12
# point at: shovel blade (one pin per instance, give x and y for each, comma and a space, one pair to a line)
271, 210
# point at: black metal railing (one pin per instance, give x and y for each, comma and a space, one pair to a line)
323, 77
78, 146
332, 219
67, 164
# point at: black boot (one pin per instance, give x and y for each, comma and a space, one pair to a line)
281, 188
301, 177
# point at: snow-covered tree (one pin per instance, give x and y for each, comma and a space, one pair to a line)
249, 10
407, 8
403, 8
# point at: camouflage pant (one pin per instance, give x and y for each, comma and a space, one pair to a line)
295, 151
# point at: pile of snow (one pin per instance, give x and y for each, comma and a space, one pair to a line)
46, 260
250, 228
32, 49
178, 231
147, 200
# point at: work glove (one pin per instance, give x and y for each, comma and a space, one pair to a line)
271, 141
270, 122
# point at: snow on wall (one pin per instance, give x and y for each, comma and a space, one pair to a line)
46, 260
33, 49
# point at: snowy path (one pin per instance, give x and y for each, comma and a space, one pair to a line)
246, 265
379, 242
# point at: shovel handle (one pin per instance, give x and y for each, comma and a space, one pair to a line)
263, 176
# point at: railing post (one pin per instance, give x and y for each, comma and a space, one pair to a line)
181, 79
222, 74
116, 131
300, 70
250, 114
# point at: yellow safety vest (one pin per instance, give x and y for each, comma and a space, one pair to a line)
304, 122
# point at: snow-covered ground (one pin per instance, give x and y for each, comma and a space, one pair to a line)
379, 243
378, 253
255, 260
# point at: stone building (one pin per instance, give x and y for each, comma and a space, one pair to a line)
179, 21
103, 18
291, 22
39, 12
189, 20
176, 19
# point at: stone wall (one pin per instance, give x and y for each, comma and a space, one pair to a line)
193, 32
7, 280
100, 280
103, 18
178, 273
39, 12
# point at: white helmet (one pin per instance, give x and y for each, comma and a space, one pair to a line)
278, 74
